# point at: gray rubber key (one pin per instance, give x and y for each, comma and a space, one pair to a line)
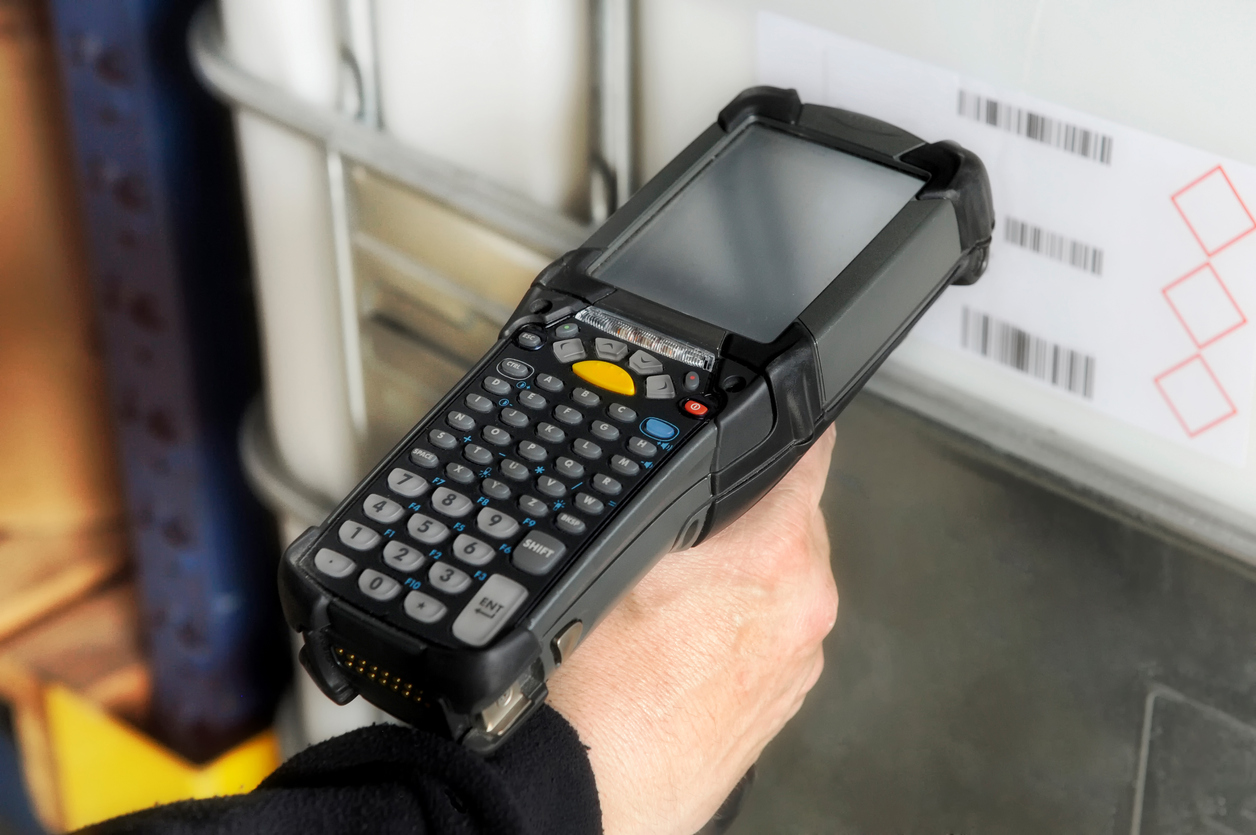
494, 489
405, 483
498, 386
621, 413
514, 369
358, 537
333, 564
609, 349
642, 447
531, 451
459, 473
477, 454
448, 579
586, 398
624, 465
569, 350
496, 524
424, 458
461, 421
402, 557
537, 553
490, 609
378, 586
568, 415
514, 417
450, 503
515, 471
427, 530
569, 467
382, 510
423, 607
570, 524
566, 330
604, 431
533, 506
551, 486
442, 439
479, 403
606, 484
549, 382
586, 449
644, 364
496, 436
659, 387
472, 551
532, 400
550, 433
590, 504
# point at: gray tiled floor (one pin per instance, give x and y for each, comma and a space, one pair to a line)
994, 656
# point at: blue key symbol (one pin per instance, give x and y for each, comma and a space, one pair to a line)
659, 429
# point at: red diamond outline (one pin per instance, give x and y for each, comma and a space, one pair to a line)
1224, 289
1237, 197
1200, 357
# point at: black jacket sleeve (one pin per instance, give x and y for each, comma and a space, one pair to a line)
390, 779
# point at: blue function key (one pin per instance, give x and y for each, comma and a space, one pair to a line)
658, 429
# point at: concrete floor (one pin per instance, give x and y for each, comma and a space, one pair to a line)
1008, 660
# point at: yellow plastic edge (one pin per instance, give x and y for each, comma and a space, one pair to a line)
105, 768
605, 375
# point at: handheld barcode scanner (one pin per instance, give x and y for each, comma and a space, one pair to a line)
650, 387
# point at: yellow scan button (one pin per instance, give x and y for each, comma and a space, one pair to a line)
605, 375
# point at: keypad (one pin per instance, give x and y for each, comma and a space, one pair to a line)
425, 529
497, 386
494, 489
505, 485
532, 400
405, 483
621, 413
333, 564
460, 421
586, 398
449, 579
604, 431
550, 433
479, 403
533, 506
549, 382
378, 586
381, 509
568, 415
515, 471
402, 557
441, 438
472, 551
514, 417
459, 473
624, 465
450, 503
358, 537
496, 524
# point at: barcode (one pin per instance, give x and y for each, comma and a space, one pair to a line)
1007, 344
1066, 137
1036, 239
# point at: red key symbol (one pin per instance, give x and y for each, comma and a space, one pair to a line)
694, 408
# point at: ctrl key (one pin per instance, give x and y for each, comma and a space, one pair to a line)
489, 610
332, 564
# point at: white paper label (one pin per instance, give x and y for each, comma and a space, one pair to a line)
1123, 263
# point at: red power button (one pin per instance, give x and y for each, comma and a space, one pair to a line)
694, 409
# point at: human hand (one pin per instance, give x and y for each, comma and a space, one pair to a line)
686, 680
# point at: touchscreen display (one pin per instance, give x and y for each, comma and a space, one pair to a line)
755, 237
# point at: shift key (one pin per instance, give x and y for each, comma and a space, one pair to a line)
489, 610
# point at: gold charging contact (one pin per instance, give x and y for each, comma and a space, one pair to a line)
373, 672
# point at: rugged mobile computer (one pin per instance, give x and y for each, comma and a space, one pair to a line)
650, 387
